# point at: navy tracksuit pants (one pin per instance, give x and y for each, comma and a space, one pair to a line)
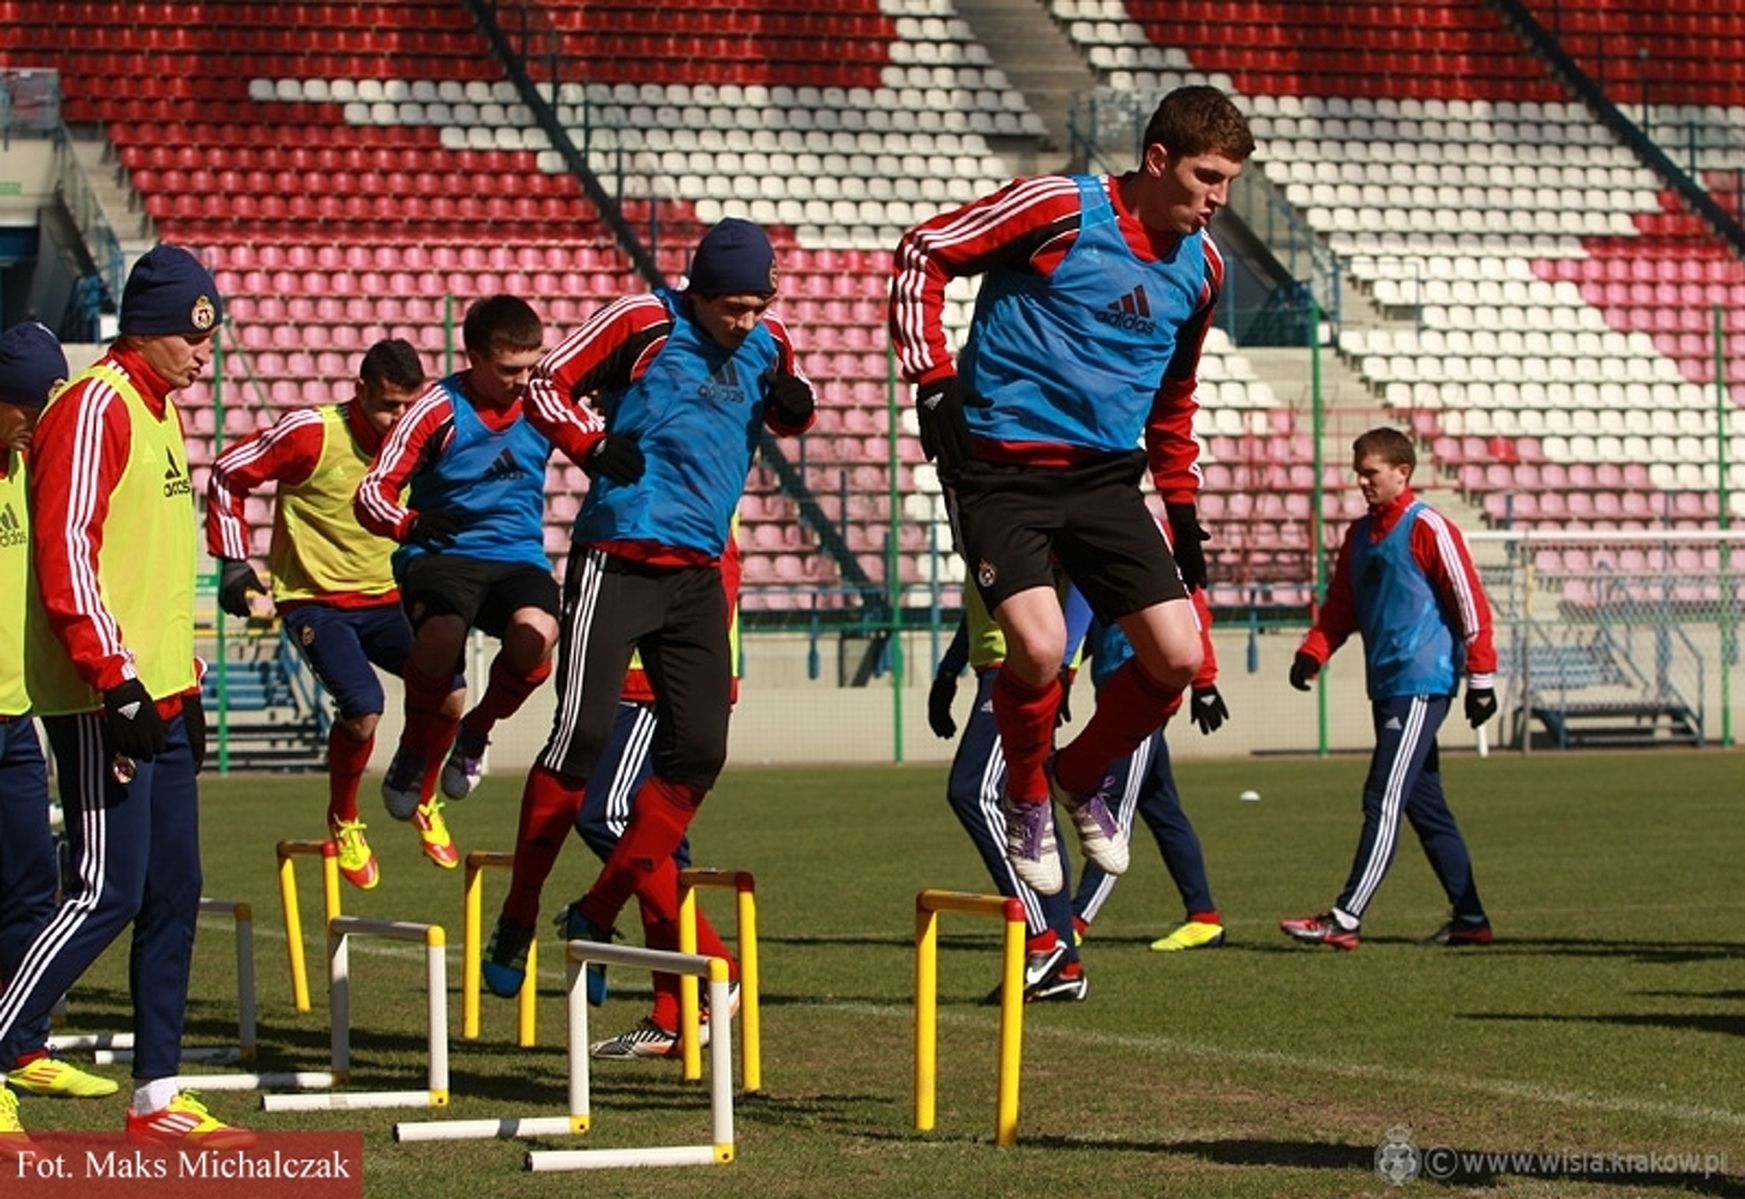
29, 871
624, 766
1405, 776
136, 859
1147, 785
975, 789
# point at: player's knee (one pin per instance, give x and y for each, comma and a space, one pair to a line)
361, 727
695, 765
1176, 665
1035, 655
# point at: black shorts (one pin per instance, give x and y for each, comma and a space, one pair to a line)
480, 591
676, 618
1013, 523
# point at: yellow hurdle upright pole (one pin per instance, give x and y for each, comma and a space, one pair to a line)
690, 1018
751, 1022
1011, 1029
288, 852
928, 905
750, 1011
926, 1014
473, 955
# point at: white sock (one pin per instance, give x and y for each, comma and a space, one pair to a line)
154, 1095
1345, 921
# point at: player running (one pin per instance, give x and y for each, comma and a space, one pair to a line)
472, 554
333, 583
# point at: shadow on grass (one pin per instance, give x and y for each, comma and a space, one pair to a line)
1733, 1026
1650, 952
1490, 1167
894, 941
1735, 996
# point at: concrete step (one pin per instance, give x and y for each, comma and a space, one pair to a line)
1041, 62
121, 205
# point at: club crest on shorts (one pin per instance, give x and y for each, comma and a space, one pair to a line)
307, 636
985, 573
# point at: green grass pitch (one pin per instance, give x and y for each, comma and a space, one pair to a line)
1609, 1018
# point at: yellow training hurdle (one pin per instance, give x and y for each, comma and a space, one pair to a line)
928, 905
288, 853
751, 1024
472, 953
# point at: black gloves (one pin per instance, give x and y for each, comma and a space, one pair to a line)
135, 728
1481, 704
792, 400
1303, 671
1186, 534
617, 457
945, 435
194, 721
429, 526
235, 581
939, 698
1208, 710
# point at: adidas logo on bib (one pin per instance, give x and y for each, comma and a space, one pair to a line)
1131, 312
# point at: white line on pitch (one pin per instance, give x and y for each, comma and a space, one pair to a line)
1268, 1057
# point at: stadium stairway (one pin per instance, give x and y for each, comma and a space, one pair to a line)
1039, 59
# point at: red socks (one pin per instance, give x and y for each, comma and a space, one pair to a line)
504, 694
658, 934
428, 732
1024, 715
346, 759
1129, 709
549, 803
659, 816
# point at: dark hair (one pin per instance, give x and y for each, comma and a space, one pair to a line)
394, 362
1200, 120
501, 323
1390, 445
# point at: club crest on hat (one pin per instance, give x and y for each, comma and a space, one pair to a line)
204, 313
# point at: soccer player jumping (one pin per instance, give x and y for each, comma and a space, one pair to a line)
333, 583
1086, 340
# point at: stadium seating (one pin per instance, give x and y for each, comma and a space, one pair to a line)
1557, 299
346, 168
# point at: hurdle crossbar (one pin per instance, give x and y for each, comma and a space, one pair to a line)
928, 904
578, 1121
108, 1049
472, 954
288, 853
340, 930
751, 1022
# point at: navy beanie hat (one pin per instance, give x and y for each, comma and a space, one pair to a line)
169, 292
734, 258
31, 362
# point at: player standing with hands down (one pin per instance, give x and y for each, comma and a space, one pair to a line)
472, 553
686, 382
332, 581
31, 367
110, 657
1086, 339
1406, 582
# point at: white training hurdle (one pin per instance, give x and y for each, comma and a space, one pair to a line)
108, 1049
340, 930
578, 954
